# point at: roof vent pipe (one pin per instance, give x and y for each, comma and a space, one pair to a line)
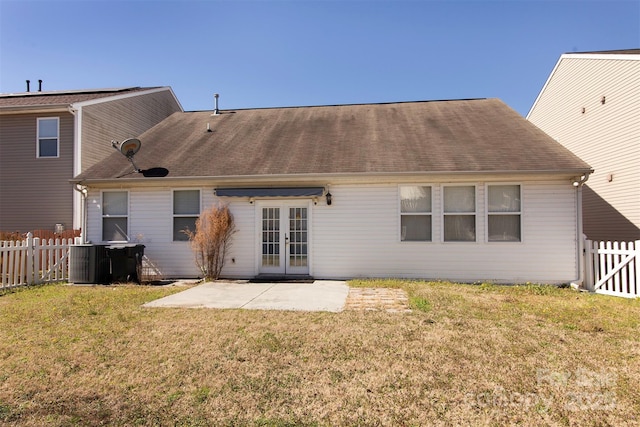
28, 85
216, 111
39, 85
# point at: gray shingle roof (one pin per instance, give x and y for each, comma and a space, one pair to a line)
482, 135
609, 52
34, 99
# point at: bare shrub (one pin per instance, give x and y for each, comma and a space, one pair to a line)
212, 239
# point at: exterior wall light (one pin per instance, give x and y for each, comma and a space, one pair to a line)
329, 196
577, 181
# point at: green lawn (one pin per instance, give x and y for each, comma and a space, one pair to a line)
466, 355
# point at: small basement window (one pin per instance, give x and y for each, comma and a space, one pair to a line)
415, 214
186, 210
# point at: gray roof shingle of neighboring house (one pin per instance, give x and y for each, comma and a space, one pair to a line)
609, 52
51, 98
455, 136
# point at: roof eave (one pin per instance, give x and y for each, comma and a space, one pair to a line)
22, 109
314, 178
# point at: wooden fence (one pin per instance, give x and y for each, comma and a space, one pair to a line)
613, 268
33, 261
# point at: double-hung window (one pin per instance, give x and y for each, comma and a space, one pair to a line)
48, 144
115, 212
459, 213
415, 213
186, 209
504, 211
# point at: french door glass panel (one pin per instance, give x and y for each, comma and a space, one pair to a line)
298, 238
271, 237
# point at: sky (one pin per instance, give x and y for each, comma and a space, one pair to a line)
259, 54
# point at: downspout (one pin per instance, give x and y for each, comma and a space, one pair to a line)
76, 170
83, 217
578, 182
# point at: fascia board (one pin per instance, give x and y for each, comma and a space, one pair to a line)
34, 109
81, 104
322, 178
613, 56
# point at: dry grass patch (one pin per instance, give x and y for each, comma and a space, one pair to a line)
473, 355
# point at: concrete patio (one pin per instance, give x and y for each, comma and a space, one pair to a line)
321, 295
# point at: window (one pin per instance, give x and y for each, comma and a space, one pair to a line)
459, 209
115, 209
48, 133
415, 214
504, 209
186, 209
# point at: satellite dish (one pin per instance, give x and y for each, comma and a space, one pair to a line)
129, 147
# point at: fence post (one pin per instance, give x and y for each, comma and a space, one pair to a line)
37, 256
29, 258
588, 265
635, 266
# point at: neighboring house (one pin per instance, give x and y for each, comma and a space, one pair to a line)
464, 190
591, 105
47, 138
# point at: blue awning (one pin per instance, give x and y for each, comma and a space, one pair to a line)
271, 192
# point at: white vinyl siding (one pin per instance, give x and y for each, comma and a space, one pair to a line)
48, 141
605, 136
415, 213
186, 209
115, 216
357, 236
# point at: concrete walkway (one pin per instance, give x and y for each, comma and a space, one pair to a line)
321, 295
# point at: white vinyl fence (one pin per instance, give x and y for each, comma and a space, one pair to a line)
34, 261
613, 268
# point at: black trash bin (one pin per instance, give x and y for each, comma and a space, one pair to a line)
126, 262
102, 268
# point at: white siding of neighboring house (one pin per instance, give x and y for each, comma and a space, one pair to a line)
606, 136
358, 236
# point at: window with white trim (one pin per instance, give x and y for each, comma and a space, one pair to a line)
459, 213
115, 216
48, 144
415, 214
186, 209
504, 213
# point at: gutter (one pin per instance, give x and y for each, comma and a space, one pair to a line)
311, 177
83, 217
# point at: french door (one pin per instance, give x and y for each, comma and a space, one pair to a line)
284, 238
